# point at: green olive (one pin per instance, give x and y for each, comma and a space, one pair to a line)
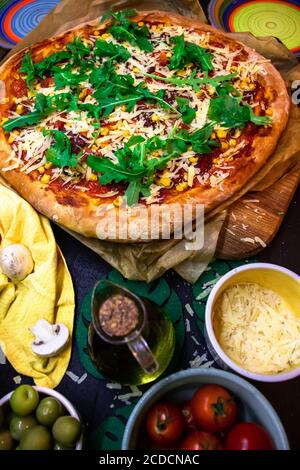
36, 438
20, 424
24, 400
48, 411
6, 441
66, 430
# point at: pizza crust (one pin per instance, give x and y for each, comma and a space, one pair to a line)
85, 217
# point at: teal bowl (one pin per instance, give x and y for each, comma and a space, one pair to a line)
178, 387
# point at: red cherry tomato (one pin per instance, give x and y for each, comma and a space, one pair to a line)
213, 408
188, 417
164, 423
200, 440
248, 436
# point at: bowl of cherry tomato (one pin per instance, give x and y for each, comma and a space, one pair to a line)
204, 409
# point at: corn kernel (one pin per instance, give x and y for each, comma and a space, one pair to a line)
105, 36
19, 109
126, 133
96, 32
123, 107
48, 165
96, 202
213, 135
45, 179
269, 112
94, 148
234, 68
141, 23
232, 142
193, 159
181, 73
211, 90
155, 118
224, 145
104, 144
221, 133
118, 201
4, 120
164, 181
135, 70
17, 76
11, 139
237, 133
181, 186
30, 94
169, 54
251, 86
93, 177
199, 93
104, 131
41, 170
83, 94
16, 132
57, 46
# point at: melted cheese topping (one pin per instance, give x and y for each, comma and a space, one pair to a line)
257, 330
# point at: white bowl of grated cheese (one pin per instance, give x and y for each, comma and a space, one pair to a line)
252, 322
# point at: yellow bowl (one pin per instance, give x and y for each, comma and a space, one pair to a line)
270, 276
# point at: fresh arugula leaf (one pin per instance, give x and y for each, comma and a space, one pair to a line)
27, 67
44, 105
114, 90
199, 140
78, 50
135, 139
132, 193
22, 121
193, 81
199, 56
259, 120
119, 15
230, 112
187, 113
178, 52
185, 52
114, 51
65, 78
125, 30
46, 65
135, 164
60, 152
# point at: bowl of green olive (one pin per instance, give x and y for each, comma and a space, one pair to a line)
39, 418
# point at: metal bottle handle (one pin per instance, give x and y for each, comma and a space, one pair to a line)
143, 354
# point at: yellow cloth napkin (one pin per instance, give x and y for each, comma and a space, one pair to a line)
46, 293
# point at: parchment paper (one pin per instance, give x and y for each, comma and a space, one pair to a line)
148, 261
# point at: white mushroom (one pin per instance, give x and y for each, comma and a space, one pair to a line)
16, 262
49, 339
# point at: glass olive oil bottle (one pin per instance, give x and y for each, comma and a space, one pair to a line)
131, 340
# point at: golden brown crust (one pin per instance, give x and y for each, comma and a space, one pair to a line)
85, 218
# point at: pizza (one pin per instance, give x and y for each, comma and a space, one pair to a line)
144, 110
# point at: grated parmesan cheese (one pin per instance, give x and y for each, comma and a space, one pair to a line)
256, 329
